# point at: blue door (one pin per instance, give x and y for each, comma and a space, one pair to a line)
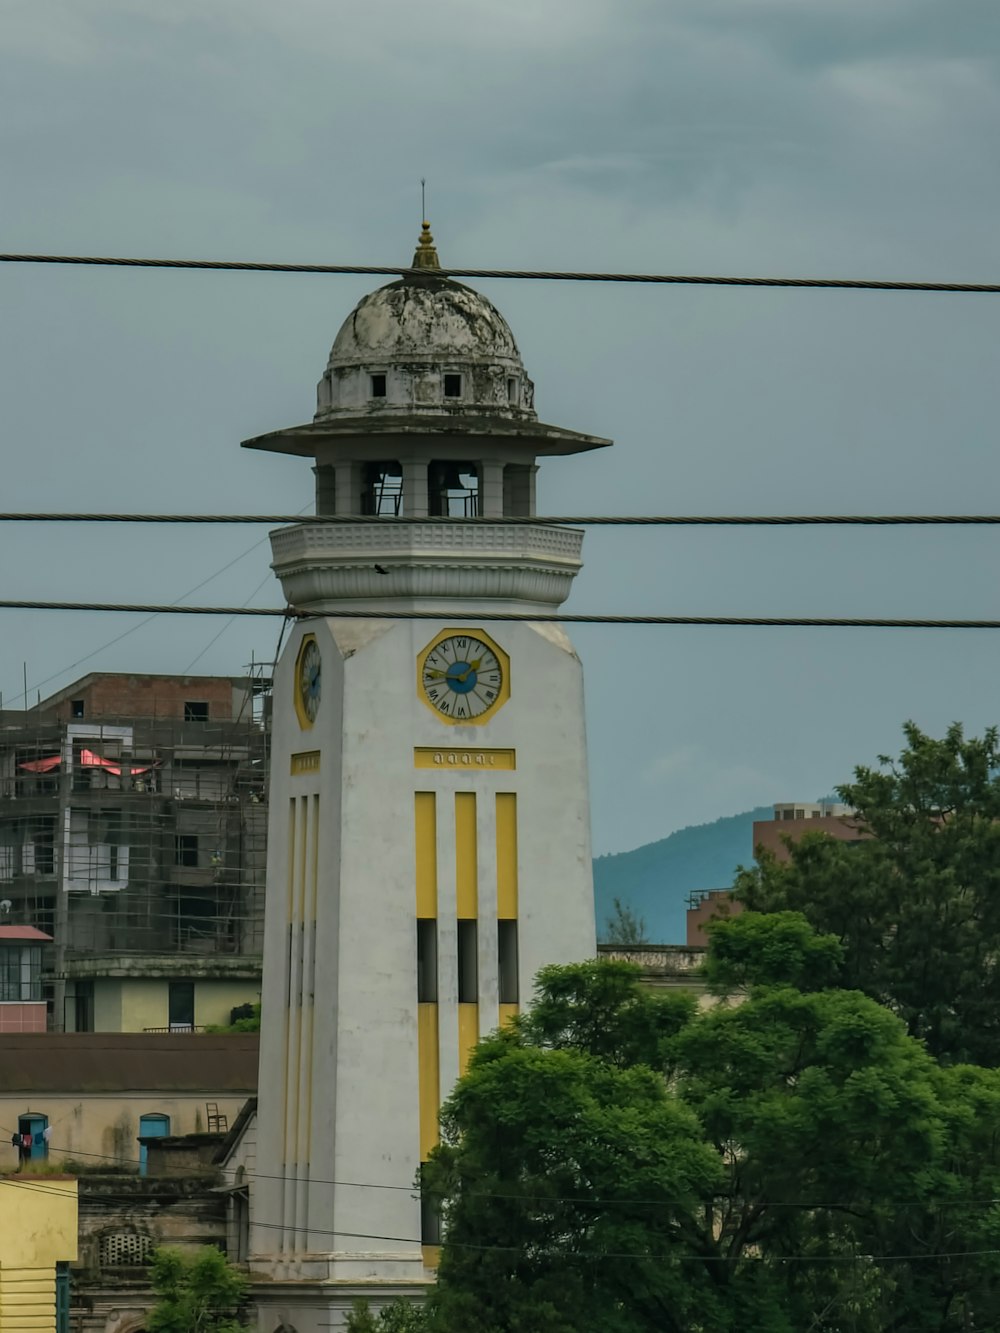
151, 1126
35, 1125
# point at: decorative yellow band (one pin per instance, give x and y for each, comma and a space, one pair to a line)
306, 761
429, 756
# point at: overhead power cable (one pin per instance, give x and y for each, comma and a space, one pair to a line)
536, 275
531, 617
507, 520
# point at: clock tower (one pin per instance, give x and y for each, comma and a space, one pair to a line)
429, 845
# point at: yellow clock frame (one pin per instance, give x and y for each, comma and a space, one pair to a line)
305, 721
503, 694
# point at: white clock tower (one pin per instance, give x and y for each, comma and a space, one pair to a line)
429, 841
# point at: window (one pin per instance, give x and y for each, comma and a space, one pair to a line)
76, 708
512, 390
452, 386
378, 386
180, 1005
195, 711
185, 849
507, 961
382, 489
20, 972
426, 962
468, 963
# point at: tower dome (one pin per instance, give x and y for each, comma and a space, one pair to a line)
425, 345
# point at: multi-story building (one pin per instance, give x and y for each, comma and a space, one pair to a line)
792, 819
132, 831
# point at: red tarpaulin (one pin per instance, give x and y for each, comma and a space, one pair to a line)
90, 760
87, 760
41, 765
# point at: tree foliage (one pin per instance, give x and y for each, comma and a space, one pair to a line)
398, 1316
619, 1160
915, 901
196, 1292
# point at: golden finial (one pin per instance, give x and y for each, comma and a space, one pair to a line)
426, 255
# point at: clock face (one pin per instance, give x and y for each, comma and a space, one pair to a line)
463, 677
308, 682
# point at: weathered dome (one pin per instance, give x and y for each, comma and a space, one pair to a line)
425, 345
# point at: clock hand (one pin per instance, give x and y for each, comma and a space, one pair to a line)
473, 666
430, 671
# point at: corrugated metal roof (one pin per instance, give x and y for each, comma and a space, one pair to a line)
92, 1062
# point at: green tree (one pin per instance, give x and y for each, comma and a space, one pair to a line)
398, 1317
915, 901
618, 1160
777, 949
624, 927
196, 1292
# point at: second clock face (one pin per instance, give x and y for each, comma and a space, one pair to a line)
462, 677
309, 683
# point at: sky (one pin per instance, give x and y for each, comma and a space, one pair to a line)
834, 138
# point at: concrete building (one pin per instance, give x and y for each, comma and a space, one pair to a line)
22, 1003
429, 842
792, 820
88, 1098
38, 1241
132, 831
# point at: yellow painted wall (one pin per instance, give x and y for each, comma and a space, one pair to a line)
134, 1004
466, 870
38, 1229
506, 809
468, 1033
425, 812
214, 1000
430, 1077
145, 1004
103, 1127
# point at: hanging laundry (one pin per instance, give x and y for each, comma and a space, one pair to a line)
47, 1134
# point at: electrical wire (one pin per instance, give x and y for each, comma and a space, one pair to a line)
21, 1182
531, 618
531, 275
533, 520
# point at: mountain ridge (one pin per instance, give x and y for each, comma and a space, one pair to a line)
654, 880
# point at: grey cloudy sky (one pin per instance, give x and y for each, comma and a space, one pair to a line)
830, 137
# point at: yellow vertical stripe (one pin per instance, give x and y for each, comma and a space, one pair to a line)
428, 1064
466, 876
425, 814
291, 858
507, 1012
506, 855
468, 1033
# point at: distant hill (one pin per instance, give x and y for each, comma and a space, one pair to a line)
655, 880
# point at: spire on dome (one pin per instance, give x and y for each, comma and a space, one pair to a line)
426, 255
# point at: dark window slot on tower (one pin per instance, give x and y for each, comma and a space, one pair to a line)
507, 961
427, 992
195, 711
378, 386
468, 963
430, 1217
453, 386
512, 394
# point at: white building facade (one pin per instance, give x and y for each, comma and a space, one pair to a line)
429, 844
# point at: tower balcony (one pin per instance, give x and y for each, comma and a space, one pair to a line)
394, 564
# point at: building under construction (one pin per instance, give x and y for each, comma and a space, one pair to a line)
133, 826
